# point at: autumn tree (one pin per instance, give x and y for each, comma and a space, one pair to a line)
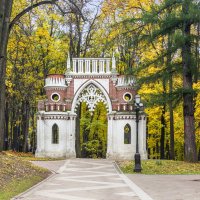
81, 29
93, 131
5, 13
150, 38
180, 21
5, 27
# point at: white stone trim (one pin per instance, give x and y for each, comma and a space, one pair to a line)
55, 82
127, 82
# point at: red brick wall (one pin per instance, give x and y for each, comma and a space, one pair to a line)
62, 94
66, 95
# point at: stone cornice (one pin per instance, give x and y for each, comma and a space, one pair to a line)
55, 88
89, 76
56, 115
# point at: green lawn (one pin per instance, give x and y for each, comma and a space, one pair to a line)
161, 167
17, 175
30, 156
18, 186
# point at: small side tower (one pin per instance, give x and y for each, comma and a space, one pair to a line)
122, 121
53, 138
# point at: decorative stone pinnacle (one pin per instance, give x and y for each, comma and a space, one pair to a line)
113, 62
68, 62
114, 71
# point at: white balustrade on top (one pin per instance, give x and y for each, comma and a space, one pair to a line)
91, 65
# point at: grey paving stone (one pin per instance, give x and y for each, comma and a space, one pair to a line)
169, 187
85, 179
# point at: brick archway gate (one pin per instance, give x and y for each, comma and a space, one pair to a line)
91, 93
89, 80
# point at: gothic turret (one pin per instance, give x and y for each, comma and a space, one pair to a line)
55, 88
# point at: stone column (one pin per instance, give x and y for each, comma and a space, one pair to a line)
40, 135
94, 66
107, 66
101, 66
110, 137
80, 66
113, 65
87, 66
71, 152
74, 66
68, 63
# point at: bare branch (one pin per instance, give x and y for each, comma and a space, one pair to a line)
88, 37
26, 10
76, 9
53, 2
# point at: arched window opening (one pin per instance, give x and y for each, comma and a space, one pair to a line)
127, 134
55, 134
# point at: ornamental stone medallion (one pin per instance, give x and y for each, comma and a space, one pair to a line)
92, 95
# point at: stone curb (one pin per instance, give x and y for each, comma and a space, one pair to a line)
20, 196
140, 193
119, 171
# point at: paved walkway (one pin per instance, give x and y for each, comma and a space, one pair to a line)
85, 179
169, 187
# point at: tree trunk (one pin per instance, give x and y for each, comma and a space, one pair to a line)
33, 142
163, 123
11, 130
25, 124
147, 138
162, 137
16, 129
5, 27
171, 113
78, 48
188, 101
78, 143
6, 127
197, 59
12, 124
5, 13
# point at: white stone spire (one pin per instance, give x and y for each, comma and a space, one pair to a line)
113, 62
114, 71
68, 62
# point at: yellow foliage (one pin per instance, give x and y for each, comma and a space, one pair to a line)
197, 113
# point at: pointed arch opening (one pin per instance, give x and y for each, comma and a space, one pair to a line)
91, 131
127, 134
55, 134
91, 103
91, 91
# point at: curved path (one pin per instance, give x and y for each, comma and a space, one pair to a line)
85, 179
